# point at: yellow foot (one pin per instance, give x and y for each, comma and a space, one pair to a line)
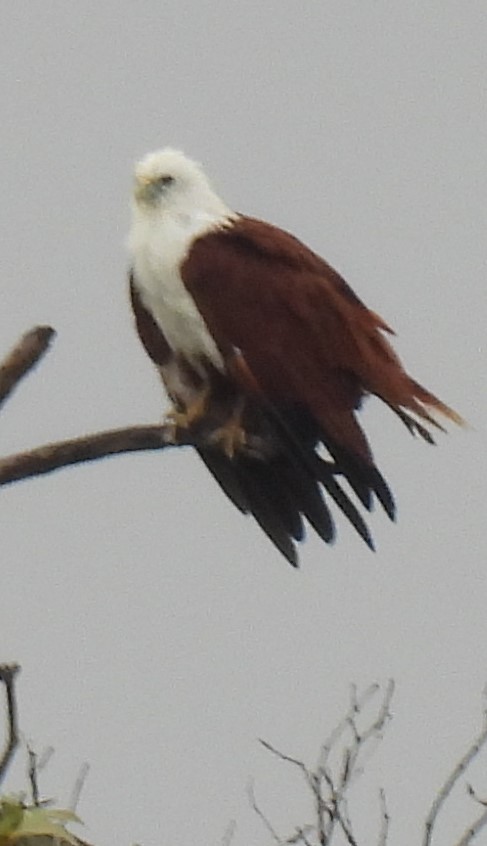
173, 422
231, 437
176, 420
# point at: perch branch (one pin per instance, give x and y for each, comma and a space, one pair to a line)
23, 357
8, 673
50, 457
92, 447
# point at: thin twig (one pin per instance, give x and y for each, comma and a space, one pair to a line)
32, 773
228, 834
44, 758
35, 765
324, 813
329, 783
357, 705
287, 758
359, 739
336, 807
300, 836
261, 815
346, 827
23, 357
78, 787
473, 830
8, 673
325, 827
451, 781
385, 819
375, 729
473, 793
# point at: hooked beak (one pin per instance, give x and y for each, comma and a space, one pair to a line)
142, 189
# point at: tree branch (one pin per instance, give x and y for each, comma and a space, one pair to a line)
450, 783
8, 673
23, 357
330, 782
473, 830
384, 829
253, 804
50, 457
54, 456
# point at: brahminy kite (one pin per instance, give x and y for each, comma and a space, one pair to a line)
266, 354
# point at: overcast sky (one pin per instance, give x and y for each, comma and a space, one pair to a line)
159, 632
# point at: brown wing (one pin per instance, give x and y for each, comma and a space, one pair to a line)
306, 337
277, 492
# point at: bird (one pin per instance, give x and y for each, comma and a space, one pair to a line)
266, 354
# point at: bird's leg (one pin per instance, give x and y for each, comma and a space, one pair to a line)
175, 419
231, 437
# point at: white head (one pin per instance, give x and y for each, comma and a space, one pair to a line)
167, 182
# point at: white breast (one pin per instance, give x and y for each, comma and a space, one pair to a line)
158, 250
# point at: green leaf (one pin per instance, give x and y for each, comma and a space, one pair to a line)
19, 822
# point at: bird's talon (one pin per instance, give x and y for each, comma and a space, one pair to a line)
231, 438
177, 419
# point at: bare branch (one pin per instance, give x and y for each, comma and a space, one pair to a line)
78, 787
46, 459
384, 829
32, 773
229, 833
8, 673
473, 830
383, 715
357, 705
54, 456
93, 447
300, 836
287, 758
44, 758
472, 792
24, 356
330, 782
261, 815
450, 783
346, 827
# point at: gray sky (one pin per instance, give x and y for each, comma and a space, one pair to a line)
159, 632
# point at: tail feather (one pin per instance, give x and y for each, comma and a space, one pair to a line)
286, 486
424, 399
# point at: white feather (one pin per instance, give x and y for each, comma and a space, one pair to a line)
165, 223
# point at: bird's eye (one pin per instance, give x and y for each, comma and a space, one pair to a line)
164, 181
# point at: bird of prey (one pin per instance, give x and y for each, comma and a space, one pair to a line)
266, 354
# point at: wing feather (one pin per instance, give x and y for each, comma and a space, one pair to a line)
306, 350
304, 334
